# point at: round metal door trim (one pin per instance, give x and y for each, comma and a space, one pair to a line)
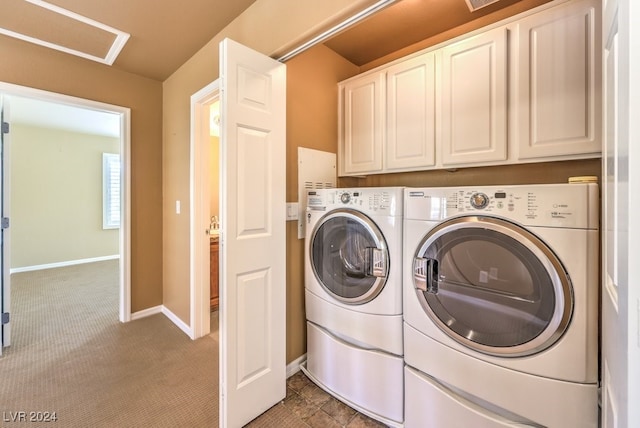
377, 237
558, 275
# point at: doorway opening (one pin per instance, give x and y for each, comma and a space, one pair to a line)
117, 217
204, 189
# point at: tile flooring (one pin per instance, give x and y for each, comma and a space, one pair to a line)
313, 407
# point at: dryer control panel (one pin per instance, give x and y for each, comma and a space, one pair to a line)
558, 205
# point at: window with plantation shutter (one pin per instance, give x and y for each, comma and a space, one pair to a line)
110, 191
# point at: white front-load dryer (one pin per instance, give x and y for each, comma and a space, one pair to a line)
501, 306
353, 297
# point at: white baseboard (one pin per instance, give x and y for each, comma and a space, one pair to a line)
62, 264
291, 369
161, 309
294, 366
177, 321
146, 312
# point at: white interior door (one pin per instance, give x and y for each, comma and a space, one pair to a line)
620, 360
5, 235
252, 292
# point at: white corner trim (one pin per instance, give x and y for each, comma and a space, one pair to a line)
161, 309
177, 321
294, 366
146, 312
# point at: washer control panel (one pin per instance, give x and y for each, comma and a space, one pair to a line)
372, 200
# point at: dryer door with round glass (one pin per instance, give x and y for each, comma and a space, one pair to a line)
492, 286
349, 256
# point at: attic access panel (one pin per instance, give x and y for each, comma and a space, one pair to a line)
478, 4
51, 26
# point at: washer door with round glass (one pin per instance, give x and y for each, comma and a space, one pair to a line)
349, 256
492, 286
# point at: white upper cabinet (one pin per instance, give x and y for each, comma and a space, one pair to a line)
557, 87
526, 90
411, 138
363, 124
474, 99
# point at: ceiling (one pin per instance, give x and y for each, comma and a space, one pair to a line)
154, 38
404, 23
160, 36
163, 34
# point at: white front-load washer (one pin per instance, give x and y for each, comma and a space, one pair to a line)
501, 306
353, 297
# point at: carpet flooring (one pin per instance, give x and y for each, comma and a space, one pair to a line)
71, 357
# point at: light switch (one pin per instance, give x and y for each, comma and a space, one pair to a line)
177, 207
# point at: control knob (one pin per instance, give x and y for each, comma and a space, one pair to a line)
345, 198
479, 200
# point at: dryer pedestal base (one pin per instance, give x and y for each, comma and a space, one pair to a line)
368, 380
430, 404
547, 402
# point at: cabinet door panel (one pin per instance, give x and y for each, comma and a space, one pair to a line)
411, 114
364, 124
474, 99
557, 94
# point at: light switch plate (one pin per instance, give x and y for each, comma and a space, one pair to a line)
292, 211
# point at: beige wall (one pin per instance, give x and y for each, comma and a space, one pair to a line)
268, 26
56, 196
37, 67
534, 173
312, 122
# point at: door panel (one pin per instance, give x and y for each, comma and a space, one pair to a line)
363, 125
474, 99
411, 114
252, 291
557, 87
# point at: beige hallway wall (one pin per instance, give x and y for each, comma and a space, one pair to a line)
33, 66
